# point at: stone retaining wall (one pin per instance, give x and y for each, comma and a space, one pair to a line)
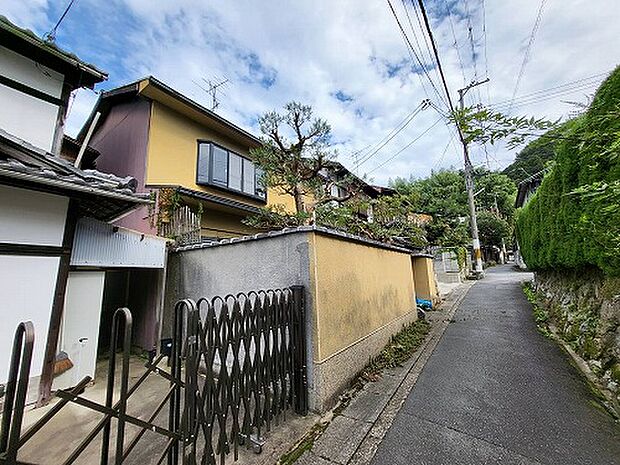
584, 306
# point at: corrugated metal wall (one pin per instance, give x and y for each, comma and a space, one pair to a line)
97, 244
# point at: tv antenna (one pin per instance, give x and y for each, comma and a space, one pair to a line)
212, 88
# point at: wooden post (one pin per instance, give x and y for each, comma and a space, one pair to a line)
47, 374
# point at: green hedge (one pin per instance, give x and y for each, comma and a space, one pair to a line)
573, 220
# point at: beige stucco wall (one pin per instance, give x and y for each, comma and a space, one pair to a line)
173, 153
361, 296
217, 223
358, 290
424, 277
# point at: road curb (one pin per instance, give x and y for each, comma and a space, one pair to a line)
353, 439
368, 448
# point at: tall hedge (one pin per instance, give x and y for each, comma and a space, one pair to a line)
573, 220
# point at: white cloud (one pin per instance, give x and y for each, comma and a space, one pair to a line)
311, 51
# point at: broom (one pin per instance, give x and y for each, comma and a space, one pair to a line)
62, 363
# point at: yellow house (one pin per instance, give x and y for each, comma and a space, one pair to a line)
184, 154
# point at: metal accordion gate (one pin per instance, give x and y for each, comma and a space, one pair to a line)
237, 367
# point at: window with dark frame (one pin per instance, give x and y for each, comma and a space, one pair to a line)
220, 167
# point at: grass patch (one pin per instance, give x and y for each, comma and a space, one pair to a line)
400, 348
305, 444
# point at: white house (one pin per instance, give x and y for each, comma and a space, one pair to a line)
58, 254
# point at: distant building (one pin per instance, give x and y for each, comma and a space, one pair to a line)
525, 191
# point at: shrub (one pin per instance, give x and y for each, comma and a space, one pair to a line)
573, 220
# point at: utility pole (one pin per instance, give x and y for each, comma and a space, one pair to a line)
469, 185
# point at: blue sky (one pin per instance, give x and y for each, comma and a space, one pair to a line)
347, 59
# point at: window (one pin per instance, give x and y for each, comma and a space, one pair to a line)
204, 158
222, 168
234, 172
249, 177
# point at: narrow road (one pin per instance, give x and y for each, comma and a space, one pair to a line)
496, 391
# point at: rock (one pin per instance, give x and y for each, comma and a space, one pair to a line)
595, 366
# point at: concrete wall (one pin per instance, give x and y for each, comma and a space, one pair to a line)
363, 295
358, 294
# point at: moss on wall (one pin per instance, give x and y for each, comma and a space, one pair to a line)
584, 307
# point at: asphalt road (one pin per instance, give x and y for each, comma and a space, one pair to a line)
496, 391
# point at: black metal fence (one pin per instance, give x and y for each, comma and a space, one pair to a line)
237, 365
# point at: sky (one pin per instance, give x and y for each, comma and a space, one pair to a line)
349, 61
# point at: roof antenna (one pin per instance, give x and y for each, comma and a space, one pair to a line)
212, 89
51, 35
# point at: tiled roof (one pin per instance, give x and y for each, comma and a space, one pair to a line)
22, 162
287, 231
50, 48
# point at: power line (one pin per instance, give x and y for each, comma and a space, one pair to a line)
419, 52
567, 86
406, 146
470, 36
441, 73
544, 97
484, 37
424, 36
383, 142
443, 154
415, 35
472, 44
455, 43
528, 49
411, 48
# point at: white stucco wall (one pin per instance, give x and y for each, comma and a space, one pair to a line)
27, 283
31, 217
22, 115
27, 290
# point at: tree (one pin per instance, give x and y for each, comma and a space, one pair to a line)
481, 125
493, 228
392, 220
497, 193
534, 157
295, 156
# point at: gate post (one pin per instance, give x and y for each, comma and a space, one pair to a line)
16, 390
300, 378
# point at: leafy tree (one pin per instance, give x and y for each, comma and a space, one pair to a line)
534, 156
392, 220
497, 193
295, 156
493, 228
482, 125
442, 195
